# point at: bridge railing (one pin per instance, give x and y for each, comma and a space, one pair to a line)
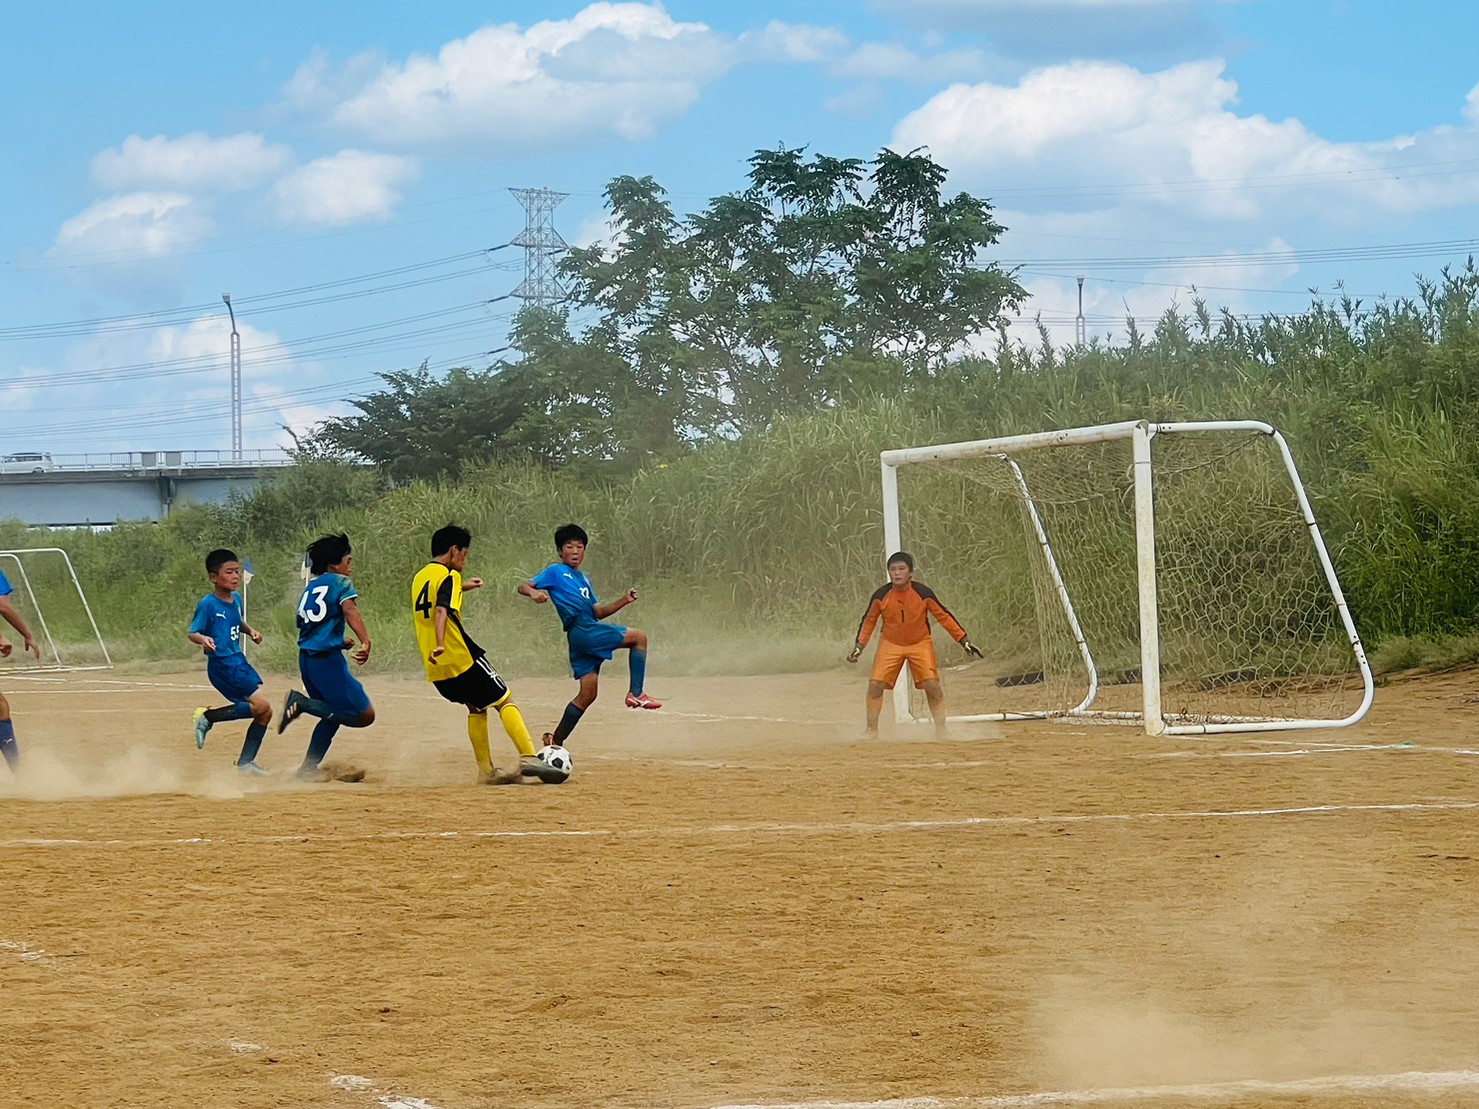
168, 460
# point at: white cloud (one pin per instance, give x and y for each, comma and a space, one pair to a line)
597, 229
145, 224
890, 61
613, 70
858, 102
1129, 177
1102, 134
205, 338
191, 161
793, 42
349, 185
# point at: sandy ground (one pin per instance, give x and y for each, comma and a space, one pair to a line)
736, 901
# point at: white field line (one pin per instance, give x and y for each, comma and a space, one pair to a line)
718, 830
26, 953
1317, 749
1409, 1082
353, 1083
710, 717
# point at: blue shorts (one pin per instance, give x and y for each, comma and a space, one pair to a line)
327, 678
591, 645
233, 677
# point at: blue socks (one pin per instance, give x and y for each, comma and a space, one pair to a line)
638, 664
8, 747
573, 713
253, 743
318, 743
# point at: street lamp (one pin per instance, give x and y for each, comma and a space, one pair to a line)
235, 382
1081, 331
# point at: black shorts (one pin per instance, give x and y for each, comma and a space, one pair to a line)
478, 686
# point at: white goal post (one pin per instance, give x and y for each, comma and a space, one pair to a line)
69, 639
1168, 575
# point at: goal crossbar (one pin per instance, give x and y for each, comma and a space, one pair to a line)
1140, 435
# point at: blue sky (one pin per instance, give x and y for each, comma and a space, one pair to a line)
342, 169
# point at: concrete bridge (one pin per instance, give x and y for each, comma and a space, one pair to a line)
82, 490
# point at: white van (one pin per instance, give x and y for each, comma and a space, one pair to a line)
26, 463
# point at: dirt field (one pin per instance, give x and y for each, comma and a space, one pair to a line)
735, 901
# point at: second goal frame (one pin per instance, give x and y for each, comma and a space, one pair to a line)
1139, 436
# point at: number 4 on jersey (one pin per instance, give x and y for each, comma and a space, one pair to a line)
423, 601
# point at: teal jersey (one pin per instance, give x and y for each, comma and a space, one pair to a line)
321, 613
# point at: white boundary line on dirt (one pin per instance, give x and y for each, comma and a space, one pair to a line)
1316, 749
353, 1083
839, 829
26, 953
1417, 1082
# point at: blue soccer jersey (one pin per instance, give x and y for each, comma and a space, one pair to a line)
571, 593
321, 613
221, 620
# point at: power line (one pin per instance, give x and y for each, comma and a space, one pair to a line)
166, 316
1319, 256
302, 347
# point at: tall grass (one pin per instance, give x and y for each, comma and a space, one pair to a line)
758, 553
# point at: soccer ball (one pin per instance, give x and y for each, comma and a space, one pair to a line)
557, 757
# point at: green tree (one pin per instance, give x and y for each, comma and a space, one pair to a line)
823, 278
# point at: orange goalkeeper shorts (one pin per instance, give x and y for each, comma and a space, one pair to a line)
891, 657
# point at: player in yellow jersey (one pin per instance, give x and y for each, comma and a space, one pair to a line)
458, 667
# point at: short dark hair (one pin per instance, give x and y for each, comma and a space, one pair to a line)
444, 539
900, 556
326, 551
218, 558
566, 532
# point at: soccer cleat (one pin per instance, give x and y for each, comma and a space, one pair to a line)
532, 767
292, 708
202, 726
251, 770
642, 701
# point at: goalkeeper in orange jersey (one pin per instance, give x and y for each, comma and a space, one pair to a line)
905, 606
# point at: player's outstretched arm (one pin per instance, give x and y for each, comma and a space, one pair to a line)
610, 608
16, 621
533, 592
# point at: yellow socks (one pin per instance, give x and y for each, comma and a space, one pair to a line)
513, 724
477, 732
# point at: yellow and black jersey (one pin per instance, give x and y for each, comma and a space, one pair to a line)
438, 586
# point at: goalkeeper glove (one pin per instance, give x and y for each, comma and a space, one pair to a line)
971, 648
855, 653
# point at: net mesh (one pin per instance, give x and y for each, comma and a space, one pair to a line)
1248, 625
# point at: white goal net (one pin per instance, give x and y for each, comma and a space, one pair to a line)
1167, 575
49, 598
